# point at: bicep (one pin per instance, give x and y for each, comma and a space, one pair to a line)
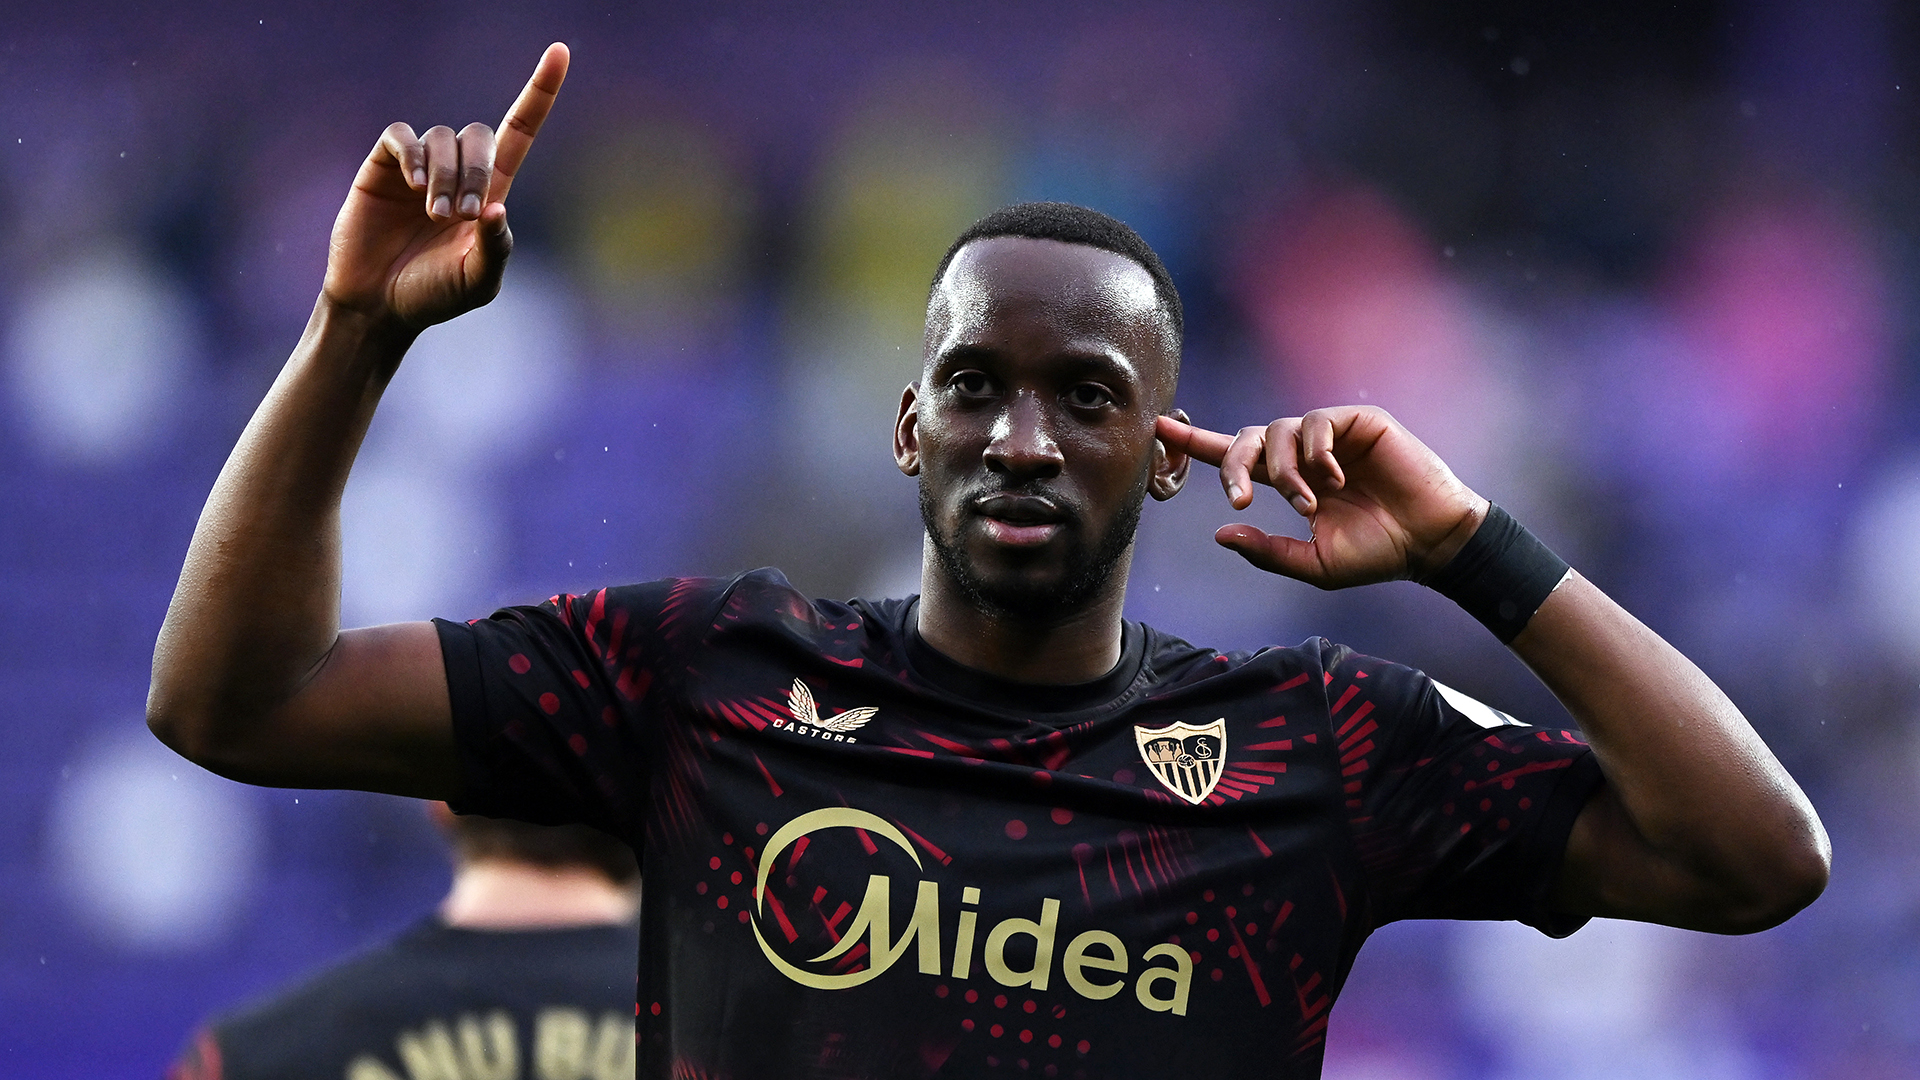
1609, 871
374, 715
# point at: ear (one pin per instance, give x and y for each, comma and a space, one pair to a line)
1170, 467
906, 431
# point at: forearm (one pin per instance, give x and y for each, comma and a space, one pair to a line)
1724, 825
257, 606
1697, 824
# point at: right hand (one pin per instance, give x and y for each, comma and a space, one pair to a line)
423, 236
1382, 505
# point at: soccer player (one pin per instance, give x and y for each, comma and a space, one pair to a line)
525, 971
994, 828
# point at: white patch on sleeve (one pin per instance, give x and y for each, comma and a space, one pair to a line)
1482, 714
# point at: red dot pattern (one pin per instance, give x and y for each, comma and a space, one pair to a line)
1218, 935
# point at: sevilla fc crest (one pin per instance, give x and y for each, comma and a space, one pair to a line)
1185, 758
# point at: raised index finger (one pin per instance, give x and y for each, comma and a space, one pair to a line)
523, 120
1209, 447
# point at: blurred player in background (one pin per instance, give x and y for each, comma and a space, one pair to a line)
525, 971
995, 828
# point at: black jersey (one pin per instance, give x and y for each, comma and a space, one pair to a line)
442, 1003
864, 860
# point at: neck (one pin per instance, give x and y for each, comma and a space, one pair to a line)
1079, 646
499, 894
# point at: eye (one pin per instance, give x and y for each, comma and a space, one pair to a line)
970, 383
1089, 396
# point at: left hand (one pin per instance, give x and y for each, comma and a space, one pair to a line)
1382, 506
423, 235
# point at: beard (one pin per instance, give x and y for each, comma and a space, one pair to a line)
1090, 564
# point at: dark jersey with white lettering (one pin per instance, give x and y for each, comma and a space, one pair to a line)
442, 1003
864, 860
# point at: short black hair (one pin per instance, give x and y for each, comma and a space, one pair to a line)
1073, 224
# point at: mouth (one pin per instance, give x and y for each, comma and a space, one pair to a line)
1020, 520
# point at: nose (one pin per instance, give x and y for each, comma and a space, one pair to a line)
1020, 446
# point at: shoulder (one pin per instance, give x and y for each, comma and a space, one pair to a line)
1316, 668
664, 600
754, 594
1176, 664
428, 955
314, 1005
429, 973
766, 593
664, 607
672, 608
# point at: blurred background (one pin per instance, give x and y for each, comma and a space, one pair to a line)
1645, 273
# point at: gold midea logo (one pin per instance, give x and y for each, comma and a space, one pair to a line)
1094, 964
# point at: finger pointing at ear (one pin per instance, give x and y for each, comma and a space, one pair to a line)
1254, 456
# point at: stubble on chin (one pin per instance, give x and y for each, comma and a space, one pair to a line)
1088, 567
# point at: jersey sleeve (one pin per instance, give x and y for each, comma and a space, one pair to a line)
1459, 811
552, 703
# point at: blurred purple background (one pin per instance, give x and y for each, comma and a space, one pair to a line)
1644, 273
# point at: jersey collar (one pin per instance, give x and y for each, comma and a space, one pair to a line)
1020, 698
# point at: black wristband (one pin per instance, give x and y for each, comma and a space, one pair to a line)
1502, 575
